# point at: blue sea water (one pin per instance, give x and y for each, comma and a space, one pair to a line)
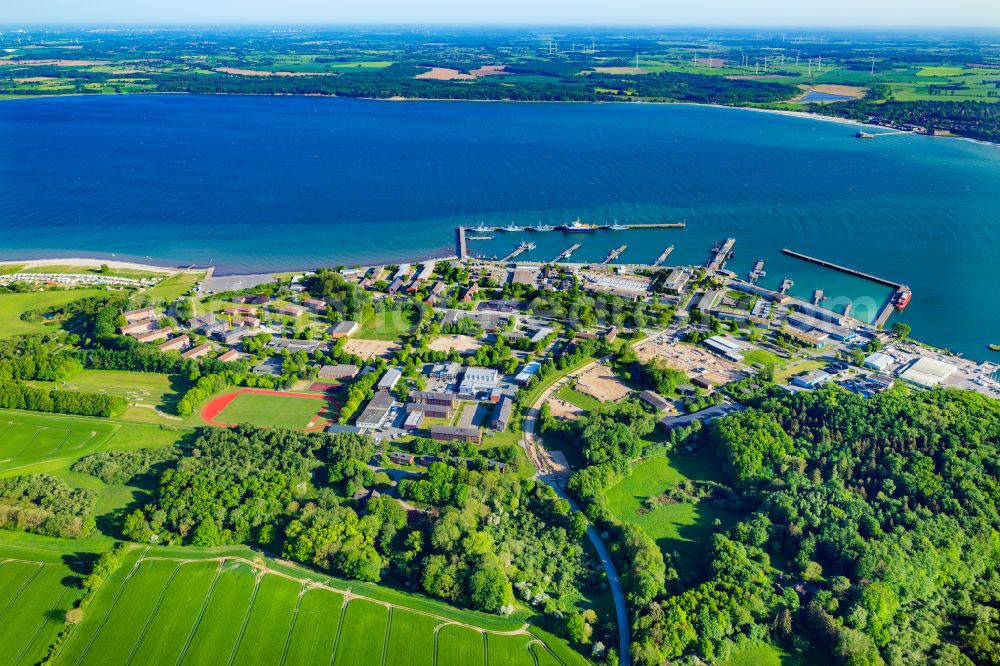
277, 183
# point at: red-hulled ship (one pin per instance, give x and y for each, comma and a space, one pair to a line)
903, 299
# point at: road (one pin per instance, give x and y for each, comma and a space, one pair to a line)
545, 472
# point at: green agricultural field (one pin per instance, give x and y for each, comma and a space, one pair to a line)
358, 643
390, 325
13, 305
273, 410
215, 607
578, 398
943, 70
681, 526
33, 442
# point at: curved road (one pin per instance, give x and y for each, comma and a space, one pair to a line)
545, 471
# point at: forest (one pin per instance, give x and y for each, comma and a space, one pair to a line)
873, 533
476, 538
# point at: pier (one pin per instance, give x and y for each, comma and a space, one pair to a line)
463, 250
786, 284
614, 254
843, 269
818, 296
890, 306
657, 225
718, 261
564, 255
523, 247
663, 256
758, 269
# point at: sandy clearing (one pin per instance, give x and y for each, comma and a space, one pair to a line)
710, 62
692, 360
36, 79
460, 343
561, 409
601, 383
260, 72
489, 70
444, 74
371, 348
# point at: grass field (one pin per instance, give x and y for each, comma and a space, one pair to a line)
176, 285
390, 325
220, 611
682, 526
12, 305
272, 410
578, 398
150, 392
32, 603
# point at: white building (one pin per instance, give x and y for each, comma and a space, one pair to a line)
878, 361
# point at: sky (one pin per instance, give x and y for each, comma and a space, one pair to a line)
880, 13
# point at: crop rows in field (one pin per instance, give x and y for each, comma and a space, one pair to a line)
227, 611
33, 601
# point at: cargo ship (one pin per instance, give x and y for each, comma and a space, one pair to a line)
578, 226
903, 299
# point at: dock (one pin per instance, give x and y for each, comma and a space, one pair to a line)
614, 254
818, 296
757, 270
721, 254
890, 306
572, 248
657, 225
463, 249
523, 247
786, 284
663, 256
842, 269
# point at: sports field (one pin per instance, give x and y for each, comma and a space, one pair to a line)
683, 527
229, 610
389, 325
12, 305
270, 409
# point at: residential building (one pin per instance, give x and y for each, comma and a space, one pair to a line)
413, 421
434, 398
456, 433
233, 335
179, 343
132, 316
315, 304
502, 412
230, 355
290, 310
430, 410
154, 335
394, 287
197, 352
138, 327
400, 458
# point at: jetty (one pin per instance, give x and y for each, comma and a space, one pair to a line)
657, 225
663, 256
523, 247
720, 255
757, 271
890, 305
786, 284
572, 248
818, 296
614, 254
842, 269
463, 249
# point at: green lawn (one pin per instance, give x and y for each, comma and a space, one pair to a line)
272, 410
769, 655
797, 368
147, 392
682, 526
12, 305
176, 285
390, 325
578, 398
761, 357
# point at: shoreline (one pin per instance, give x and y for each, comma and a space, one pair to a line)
95, 262
785, 112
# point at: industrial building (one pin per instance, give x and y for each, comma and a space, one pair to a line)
389, 380
878, 361
376, 411
927, 372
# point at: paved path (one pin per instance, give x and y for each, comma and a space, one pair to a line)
545, 472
